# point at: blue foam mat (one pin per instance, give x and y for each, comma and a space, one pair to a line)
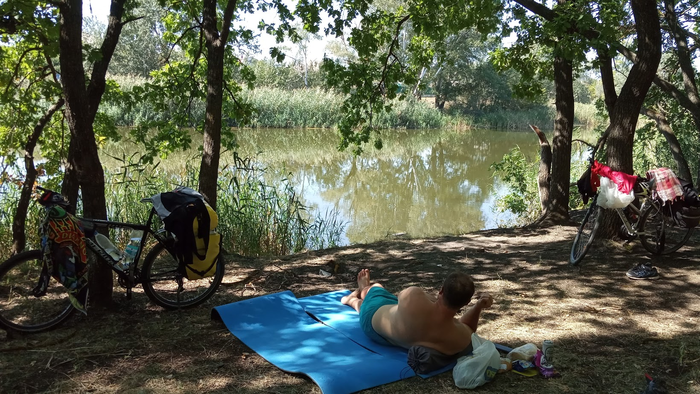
277, 327
328, 309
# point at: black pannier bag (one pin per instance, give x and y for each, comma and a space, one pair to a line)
193, 222
685, 211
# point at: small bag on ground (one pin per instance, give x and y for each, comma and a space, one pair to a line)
193, 222
478, 368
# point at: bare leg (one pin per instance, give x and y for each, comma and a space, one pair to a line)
355, 298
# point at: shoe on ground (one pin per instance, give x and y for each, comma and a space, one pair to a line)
643, 271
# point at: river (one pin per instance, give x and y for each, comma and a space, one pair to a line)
422, 183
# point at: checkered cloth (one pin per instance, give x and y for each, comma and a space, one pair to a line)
668, 187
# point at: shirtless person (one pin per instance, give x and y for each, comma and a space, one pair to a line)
415, 318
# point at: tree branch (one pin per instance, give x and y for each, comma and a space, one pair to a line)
172, 47
394, 42
15, 73
131, 20
97, 85
231, 6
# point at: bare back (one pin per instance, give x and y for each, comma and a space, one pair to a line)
417, 320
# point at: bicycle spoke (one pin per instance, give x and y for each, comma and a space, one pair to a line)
164, 285
20, 309
586, 233
659, 233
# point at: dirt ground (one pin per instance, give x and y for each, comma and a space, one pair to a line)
609, 330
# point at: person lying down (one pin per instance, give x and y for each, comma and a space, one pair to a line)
415, 318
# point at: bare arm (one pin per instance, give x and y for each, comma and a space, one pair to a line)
471, 316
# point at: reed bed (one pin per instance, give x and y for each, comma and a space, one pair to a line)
257, 216
276, 107
319, 108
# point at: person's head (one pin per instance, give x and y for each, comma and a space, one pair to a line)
457, 290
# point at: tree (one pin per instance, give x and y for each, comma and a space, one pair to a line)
50, 30
466, 77
82, 103
31, 95
204, 33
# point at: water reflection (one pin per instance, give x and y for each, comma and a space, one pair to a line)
422, 183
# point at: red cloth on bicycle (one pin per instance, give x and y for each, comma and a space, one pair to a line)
668, 187
625, 182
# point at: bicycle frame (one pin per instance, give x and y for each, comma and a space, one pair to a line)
632, 228
128, 277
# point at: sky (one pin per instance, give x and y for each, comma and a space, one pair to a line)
100, 10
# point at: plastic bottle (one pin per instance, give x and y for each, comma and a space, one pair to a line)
131, 249
109, 247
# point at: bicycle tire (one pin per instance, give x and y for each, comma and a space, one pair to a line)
20, 310
160, 275
660, 234
586, 233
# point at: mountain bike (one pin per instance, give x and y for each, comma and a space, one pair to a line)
161, 276
646, 218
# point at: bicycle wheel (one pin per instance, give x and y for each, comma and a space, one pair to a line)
660, 234
586, 233
20, 309
166, 287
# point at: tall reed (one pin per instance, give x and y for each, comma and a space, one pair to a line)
9, 197
269, 220
257, 216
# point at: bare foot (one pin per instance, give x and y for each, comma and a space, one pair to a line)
362, 280
362, 283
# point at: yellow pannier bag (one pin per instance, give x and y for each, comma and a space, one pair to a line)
207, 267
204, 261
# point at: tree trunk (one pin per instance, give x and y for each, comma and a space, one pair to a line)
216, 44
439, 102
71, 184
607, 80
561, 150
623, 120
624, 116
19, 238
686, 65
81, 108
543, 177
673, 144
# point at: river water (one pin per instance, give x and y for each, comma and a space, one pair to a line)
422, 183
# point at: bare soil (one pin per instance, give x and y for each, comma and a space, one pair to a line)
609, 330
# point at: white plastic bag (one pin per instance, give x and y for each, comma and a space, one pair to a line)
479, 367
610, 197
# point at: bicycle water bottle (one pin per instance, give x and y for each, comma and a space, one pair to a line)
109, 247
131, 249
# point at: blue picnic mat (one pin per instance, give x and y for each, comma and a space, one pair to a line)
277, 327
328, 309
